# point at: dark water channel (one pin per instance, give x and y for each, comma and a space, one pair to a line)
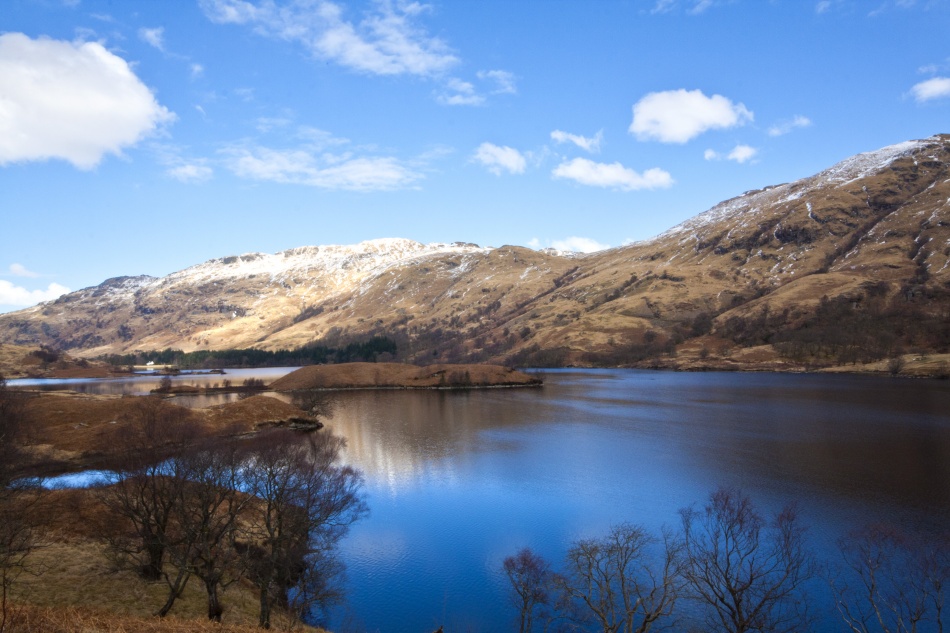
456, 481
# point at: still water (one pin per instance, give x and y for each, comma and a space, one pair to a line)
457, 481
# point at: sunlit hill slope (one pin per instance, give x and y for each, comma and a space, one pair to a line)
849, 265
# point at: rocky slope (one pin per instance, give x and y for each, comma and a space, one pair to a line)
863, 247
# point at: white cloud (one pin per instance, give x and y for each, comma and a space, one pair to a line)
455, 91
573, 243
823, 6
740, 154
784, 127
19, 296
191, 173
265, 124
386, 42
664, 6
458, 92
578, 244
500, 158
70, 100
588, 143
900, 4
19, 270
693, 7
318, 140
153, 37
676, 116
612, 176
504, 81
936, 88
326, 171
179, 167
197, 70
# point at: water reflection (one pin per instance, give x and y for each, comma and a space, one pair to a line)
402, 438
142, 384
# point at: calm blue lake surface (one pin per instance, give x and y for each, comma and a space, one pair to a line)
457, 481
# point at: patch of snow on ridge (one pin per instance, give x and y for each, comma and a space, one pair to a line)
731, 209
848, 170
336, 265
863, 165
116, 289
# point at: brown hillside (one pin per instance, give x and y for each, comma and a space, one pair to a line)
870, 235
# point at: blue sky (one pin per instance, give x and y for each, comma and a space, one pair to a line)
141, 137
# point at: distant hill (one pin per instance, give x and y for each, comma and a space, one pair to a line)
849, 265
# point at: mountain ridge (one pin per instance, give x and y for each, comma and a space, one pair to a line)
872, 230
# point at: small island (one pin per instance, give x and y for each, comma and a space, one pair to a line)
403, 376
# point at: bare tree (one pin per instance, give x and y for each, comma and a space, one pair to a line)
206, 511
613, 579
306, 501
530, 577
145, 486
892, 582
314, 402
750, 575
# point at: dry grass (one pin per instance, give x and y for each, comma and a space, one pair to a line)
399, 375
15, 360
71, 583
24, 618
70, 431
248, 414
913, 365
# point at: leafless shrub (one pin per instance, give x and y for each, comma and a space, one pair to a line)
614, 584
892, 582
145, 486
530, 577
306, 502
749, 574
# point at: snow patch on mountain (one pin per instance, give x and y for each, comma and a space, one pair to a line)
863, 165
334, 266
847, 171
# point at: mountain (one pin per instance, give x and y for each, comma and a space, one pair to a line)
851, 264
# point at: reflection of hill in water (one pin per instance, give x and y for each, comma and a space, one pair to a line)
397, 437
873, 441
874, 464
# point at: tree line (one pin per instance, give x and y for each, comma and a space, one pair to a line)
376, 348
729, 569
181, 507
